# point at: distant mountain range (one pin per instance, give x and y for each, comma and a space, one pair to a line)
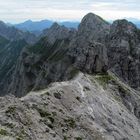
38, 26
135, 21
12, 33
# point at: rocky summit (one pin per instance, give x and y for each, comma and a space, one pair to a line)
123, 51
72, 84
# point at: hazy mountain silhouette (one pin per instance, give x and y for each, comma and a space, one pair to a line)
38, 26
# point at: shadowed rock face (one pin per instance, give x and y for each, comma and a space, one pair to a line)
9, 53
124, 51
94, 48
11, 33
12, 41
57, 32
91, 57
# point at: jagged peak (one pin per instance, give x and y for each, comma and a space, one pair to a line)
57, 31
28, 21
93, 18
2, 23
124, 26
123, 22
55, 25
93, 27
90, 15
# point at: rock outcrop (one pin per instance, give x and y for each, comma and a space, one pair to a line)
57, 32
93, 27
124, 51
87, 48
9, 53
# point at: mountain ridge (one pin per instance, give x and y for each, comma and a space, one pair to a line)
90, 49
79, 84
12, 33
39, 26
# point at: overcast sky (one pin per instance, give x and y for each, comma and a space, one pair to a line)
20, 10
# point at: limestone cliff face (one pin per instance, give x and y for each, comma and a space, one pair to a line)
87, 48
36, 70
57, 56
93, 27
9, 53
124, 51
95, 47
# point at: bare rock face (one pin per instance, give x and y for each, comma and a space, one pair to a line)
95, 47
11, 33
90, 57
57, 32
92, 102
94, 28
58, 57
87, 54
36, 70
124, 51
9, 53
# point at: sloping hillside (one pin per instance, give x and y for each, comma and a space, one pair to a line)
88, 107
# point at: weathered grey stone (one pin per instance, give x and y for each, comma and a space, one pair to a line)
99, 106
123, 51
93, 27
100, 114
57, 32
59, 56
11, 33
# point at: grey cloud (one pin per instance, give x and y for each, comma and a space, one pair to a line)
17, 9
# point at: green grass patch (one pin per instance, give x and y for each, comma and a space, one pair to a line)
73, 72
123, 91
18, 138
65, 138
3, 132
70, 122
10, 125
11, 110
104, 79
43, 113
78, 138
